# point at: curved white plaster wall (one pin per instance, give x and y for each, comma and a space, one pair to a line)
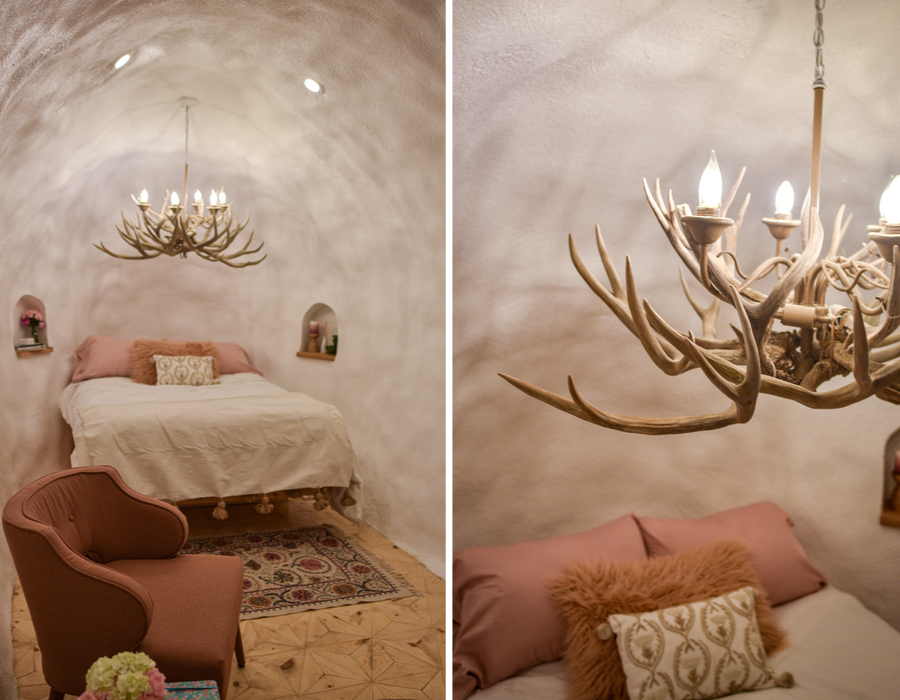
558, 114
346, 190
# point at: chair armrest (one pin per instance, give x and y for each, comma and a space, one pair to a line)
80, 610
129, 525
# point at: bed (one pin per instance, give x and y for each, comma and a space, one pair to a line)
238, 437
511, 627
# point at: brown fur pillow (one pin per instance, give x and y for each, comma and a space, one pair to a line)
592, 591
143, 370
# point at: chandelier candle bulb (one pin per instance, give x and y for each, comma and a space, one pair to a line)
781, 225
710, 189
784, 200
889, 236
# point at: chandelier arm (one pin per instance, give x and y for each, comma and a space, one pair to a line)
611, 273
762, 314
729, 254
656, 426
760, 272
664, 220
708, 316
126, 257
617, 306
244, 251
860, 351
838, 232
891, 305
732, 192
670, 365
888, 350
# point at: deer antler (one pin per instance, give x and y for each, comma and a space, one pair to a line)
817, 343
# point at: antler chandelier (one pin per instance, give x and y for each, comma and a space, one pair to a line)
815, 341
208, 231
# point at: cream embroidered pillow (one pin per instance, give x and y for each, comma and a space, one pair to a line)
703, 650
190, 370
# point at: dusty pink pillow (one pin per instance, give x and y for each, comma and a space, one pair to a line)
99, 356
784, 570
233, 359
505, 620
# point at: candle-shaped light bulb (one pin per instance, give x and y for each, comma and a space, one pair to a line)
221, 196
198, 198
884, 196
175, 200
711, 184
213, 199
144, 197
784, 199
890, 202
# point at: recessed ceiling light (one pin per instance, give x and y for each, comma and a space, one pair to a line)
122, 61
313, 86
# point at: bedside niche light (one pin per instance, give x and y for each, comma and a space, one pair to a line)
30, 327
319, 338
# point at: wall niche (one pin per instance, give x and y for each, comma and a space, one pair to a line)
890, 513
319, 337
28, 339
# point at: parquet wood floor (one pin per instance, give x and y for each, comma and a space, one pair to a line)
371, 651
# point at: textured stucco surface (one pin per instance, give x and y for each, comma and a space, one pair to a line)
346, 190
559, 110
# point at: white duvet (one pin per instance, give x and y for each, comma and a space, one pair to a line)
837, 650
242, 436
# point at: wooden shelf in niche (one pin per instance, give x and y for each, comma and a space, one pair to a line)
26, 353
317, 356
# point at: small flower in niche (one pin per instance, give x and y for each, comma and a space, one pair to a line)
34, 320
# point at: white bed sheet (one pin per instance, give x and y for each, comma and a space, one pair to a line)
245, 435
839, 650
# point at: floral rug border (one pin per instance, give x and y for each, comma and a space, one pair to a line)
332, 551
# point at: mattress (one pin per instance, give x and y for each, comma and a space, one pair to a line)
838, 649
243, 436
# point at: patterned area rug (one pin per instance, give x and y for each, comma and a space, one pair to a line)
288, 571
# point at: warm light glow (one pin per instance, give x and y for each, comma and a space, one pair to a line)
144, 197
711, 184
221, 197
122, 61
884, 196
198, 198
890, 202
312, 85
784, 199
212, 198
175, 200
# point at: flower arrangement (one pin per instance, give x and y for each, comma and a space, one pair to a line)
35, 320
125, 676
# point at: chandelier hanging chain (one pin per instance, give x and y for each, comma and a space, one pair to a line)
208, 232
818, 40
816, 340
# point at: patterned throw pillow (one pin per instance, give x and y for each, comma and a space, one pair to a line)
702, 650
189, 370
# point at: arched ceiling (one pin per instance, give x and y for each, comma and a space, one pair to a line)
245, 61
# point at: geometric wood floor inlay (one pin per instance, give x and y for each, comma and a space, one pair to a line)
369, 651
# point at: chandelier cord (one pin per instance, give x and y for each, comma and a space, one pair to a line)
186, 109
818, 40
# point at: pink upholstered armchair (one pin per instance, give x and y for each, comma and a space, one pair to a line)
100, 570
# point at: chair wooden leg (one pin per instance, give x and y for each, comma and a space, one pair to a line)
56, 695
238, 650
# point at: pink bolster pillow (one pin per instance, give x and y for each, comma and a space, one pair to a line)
505, 619
783, 567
